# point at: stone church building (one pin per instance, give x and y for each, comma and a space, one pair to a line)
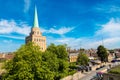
35, 35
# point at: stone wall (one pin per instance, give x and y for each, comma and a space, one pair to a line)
75, 76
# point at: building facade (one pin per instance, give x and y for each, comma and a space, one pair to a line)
73, 54
73, 57
35, 35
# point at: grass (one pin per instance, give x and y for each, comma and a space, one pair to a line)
115, 70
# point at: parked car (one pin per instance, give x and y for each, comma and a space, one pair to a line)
98, 68
102, 66
114, 61
84, 68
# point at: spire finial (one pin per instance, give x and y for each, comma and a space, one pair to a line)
36, 24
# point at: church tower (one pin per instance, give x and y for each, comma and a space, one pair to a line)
35, 35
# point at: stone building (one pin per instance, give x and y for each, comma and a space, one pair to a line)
73, 54
35, 35
73, 57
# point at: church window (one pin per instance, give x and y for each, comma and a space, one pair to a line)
32, 32
34, 39
38, 32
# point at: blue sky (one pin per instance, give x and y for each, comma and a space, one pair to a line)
77, 23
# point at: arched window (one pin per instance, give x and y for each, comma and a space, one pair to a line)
32, 32
38, 32
34, 39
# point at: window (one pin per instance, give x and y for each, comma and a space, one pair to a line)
32, 32
41, 48
34, 39
38, 32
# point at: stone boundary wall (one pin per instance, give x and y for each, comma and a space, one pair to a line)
75, 76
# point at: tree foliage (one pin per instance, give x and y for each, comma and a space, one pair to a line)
59, 50
82, 59
29, 63
62, 60
102, 53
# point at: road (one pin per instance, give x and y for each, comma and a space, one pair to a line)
91, 74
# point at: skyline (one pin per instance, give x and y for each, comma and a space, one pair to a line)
78, 23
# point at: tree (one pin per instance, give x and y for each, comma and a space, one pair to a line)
62, 58
82, 59
102, 53
59, 50
111, 51
82, 50
29, 63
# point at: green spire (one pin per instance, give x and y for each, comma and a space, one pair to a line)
36, 24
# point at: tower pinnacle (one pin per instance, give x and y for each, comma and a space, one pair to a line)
36, 35
36, 24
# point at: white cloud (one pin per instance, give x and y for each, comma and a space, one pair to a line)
112, 42
87, 43
7, 27
110, 29
108, 43
61, 31
72, 42
107, 8
10, 26
14, 37
110, 32
7, 41
27, 5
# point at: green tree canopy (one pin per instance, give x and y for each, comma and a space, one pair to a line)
59, 50
62, 58
82, 59
102, 53
25, 63
29, 63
